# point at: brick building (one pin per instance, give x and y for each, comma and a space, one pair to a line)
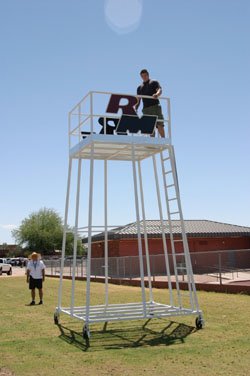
204, 237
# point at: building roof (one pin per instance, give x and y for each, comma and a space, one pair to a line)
194, 228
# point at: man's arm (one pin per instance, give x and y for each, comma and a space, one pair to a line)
28, 275
158, 93
138, 91
43, 274
138, 103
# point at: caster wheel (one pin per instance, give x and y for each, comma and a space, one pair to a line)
199, 323
56, 319
86, 335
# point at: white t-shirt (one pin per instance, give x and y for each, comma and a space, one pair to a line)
35, 268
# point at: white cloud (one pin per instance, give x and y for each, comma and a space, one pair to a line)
8, 227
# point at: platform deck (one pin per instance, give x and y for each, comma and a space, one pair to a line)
118, 147
129, 311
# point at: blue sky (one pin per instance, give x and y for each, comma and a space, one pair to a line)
54, 51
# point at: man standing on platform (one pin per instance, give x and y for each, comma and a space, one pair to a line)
153, 89
35, 277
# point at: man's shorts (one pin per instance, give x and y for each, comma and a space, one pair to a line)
154, 110
35, 283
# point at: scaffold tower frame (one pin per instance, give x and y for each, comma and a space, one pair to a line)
93, 139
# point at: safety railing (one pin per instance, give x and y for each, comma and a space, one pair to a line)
99, 112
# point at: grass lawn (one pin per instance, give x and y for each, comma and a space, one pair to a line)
30, 343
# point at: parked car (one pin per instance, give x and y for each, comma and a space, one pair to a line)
5, 268
14, 261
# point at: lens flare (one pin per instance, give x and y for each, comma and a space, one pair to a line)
123, 16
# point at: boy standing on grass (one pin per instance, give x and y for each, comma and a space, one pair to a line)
35, 277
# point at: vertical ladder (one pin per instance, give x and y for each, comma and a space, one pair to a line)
179, 244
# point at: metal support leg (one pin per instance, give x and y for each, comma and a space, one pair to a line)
163, 231
145, 234
65, 226
138, 231
106, 230
76, 235
91, 177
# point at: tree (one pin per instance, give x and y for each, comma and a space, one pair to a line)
42, 231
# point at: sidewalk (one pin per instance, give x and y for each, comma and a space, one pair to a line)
16, 272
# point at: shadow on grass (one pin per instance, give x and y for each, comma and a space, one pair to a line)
129, 335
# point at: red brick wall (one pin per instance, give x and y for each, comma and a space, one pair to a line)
198, 246
98, 249
214, 244
129, 247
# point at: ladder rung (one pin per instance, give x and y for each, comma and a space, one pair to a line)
176, 212
172, 199
165, 159
178, 240
168, 172
170, 185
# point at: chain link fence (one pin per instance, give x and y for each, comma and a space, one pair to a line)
208, 267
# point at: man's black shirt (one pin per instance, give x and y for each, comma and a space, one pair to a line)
149, 88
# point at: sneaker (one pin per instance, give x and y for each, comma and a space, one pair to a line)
33, 302
41, 302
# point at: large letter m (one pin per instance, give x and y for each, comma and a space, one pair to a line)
130, 121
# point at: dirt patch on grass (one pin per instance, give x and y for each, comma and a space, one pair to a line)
6, 372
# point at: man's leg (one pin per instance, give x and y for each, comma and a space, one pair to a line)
33, 296
148, 111
41, 295
160, 123
156, 110
161, 130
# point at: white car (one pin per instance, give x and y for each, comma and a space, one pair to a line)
4, 267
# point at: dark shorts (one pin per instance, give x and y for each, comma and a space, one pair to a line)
154, 110
35, 283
